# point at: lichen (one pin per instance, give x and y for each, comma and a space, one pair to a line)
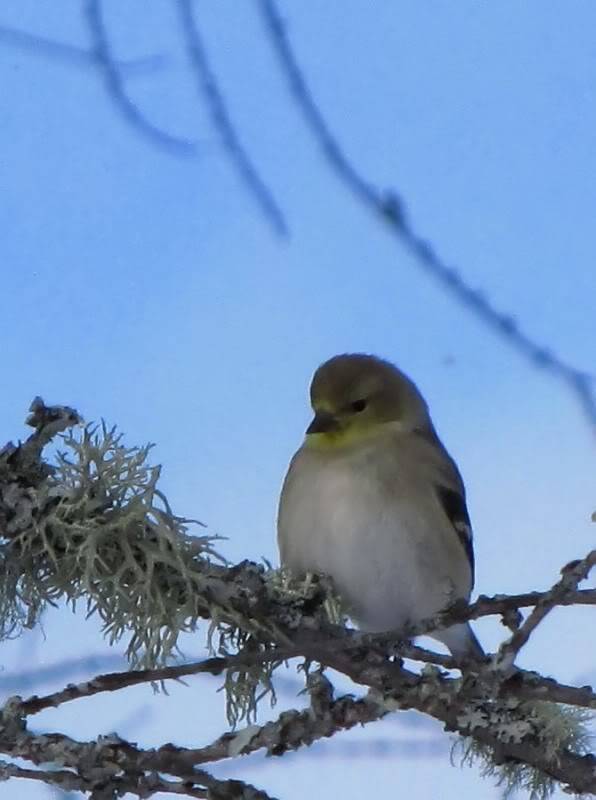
242, 739
91, 527
103, 534
554, 728
302, 594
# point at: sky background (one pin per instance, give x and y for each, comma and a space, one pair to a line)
146, 288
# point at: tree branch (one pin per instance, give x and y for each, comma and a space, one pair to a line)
572, 575
213, 96
75, 55
115, 681
389, 208
114, 83
110, 766
294, 729
261, 614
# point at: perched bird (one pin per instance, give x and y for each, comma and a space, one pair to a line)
373, 499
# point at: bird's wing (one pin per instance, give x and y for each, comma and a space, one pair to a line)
443, 474
453, 504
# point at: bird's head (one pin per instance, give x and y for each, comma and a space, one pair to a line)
356, 397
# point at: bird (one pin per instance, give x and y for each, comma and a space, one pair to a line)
373, 499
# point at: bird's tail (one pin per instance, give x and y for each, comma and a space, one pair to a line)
461, 641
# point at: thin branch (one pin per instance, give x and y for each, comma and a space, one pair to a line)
294, 729
571, 576
390, 208
222, 122
503, 603
111, 766
68, 781
60, 778
531, 686
115, 681
291, 730
114, 83
79, 56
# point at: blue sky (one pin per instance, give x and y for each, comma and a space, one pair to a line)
145, 288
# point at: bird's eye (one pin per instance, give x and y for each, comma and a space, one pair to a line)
358, 405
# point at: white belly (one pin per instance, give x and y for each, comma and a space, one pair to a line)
383, 552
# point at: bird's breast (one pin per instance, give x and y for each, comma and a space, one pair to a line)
341, 518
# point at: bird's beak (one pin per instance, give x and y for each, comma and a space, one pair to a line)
323, 422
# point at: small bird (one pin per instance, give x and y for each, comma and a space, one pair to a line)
373, 499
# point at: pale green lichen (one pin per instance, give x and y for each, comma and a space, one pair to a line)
93, 528
245, 687
107, 537
297, 593
90, 527
553, 727
242, 739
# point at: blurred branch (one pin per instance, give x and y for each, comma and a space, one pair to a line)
27, 679
60, 51
212, 95
390, 209
114, 83
421, 749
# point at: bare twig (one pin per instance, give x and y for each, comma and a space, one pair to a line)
212, 94
571, 576
62, 51
113, 79
389, 208
531, 686
115, 681
503, 603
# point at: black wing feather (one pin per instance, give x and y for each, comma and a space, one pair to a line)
452, 498
454, 506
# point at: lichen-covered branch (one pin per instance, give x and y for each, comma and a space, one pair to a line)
111, 759
294, 729
110, 767
92, 527
116, 681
